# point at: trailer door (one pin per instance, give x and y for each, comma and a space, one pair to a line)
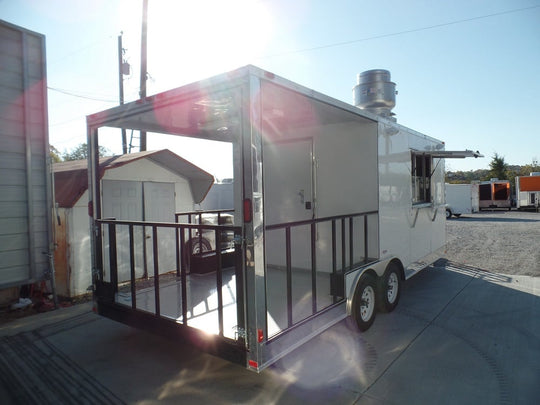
288, 181
288, 198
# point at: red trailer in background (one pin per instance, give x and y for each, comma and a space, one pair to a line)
494, 193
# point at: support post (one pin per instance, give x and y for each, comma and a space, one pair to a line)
143, 64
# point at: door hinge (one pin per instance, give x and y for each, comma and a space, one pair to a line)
239, 333
238, 240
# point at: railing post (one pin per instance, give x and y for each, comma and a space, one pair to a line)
289, 275
156, 268
351, 243
132, 268
343, 244
113, 263
238, 270
219, 280
334, 253
365, 239
313, 269
183, 275
177, 244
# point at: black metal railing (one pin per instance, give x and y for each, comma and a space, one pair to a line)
199, 214
183, 233
346, 251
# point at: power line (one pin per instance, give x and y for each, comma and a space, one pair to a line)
79, 50
393, 34
71, 93
78, 118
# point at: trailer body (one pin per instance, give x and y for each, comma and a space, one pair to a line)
333, 207
528, 191
461, 199
25, 180
494, 193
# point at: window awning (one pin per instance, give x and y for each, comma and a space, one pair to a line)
452, 154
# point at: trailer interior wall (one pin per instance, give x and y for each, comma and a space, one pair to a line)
25, 183
318, 161
322, 164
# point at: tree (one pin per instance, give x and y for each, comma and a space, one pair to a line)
55, 154
81, 152
528, 169
512, 171
498, 167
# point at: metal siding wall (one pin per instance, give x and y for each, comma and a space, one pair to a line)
395, 198
24, 190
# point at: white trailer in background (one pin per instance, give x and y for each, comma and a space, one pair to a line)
461, 199
528, 191
333, 206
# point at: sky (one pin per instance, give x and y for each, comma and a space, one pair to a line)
467, 72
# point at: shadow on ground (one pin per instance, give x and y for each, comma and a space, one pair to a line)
459, 335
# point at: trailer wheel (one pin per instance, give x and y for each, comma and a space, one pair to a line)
193, 247
389, 289
364, 302
448, 214
198, 245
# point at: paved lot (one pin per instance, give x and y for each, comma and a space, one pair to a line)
459, 336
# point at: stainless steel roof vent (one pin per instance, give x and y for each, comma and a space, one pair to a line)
375, 92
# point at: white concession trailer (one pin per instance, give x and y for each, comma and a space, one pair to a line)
333, 206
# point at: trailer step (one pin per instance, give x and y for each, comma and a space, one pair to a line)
417, 267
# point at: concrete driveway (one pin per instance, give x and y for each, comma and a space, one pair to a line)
459, 336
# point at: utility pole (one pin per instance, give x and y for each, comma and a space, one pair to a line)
143, 65
121, 72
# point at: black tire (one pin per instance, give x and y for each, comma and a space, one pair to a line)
448, 214
389, 288
198, 245
193, 247
364, 302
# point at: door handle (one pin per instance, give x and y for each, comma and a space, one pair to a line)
301, 194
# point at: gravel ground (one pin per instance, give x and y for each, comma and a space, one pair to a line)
506, 242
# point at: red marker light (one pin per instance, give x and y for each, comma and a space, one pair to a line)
260, 335
248, 216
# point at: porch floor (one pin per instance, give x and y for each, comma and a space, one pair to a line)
202, 299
